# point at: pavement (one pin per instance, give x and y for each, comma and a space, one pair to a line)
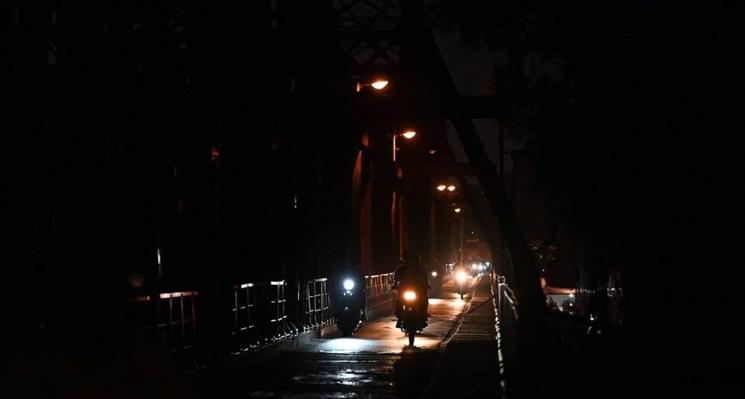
469, 364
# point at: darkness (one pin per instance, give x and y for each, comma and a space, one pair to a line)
228, 139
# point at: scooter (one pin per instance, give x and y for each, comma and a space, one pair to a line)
460, 282
349, 314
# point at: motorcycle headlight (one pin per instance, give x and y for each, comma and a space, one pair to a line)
460, 276
348, 284
409, 295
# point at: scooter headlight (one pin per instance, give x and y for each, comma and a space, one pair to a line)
348, 284
409, 295
460, 276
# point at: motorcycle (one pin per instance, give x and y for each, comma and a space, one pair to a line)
460, 282
349, 314
412, 314
435, 280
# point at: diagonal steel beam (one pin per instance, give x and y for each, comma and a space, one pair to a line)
526, 280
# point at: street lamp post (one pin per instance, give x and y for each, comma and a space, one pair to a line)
460, 219
408, 134
448, 190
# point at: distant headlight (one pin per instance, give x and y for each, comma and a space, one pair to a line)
460, 276
434, 274
348, 284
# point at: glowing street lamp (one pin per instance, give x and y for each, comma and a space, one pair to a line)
378, 84
407, 134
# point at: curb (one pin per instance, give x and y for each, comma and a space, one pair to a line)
306, 337
328, 330
382, 309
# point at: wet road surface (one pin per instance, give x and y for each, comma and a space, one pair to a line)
376, 362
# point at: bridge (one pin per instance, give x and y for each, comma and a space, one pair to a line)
201, 173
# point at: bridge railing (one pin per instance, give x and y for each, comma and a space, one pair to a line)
248, 316
278, 327
378, 288
506, 323
170, 320
317, 310
245, 332
507, 301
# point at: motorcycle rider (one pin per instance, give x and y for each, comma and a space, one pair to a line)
410, 272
